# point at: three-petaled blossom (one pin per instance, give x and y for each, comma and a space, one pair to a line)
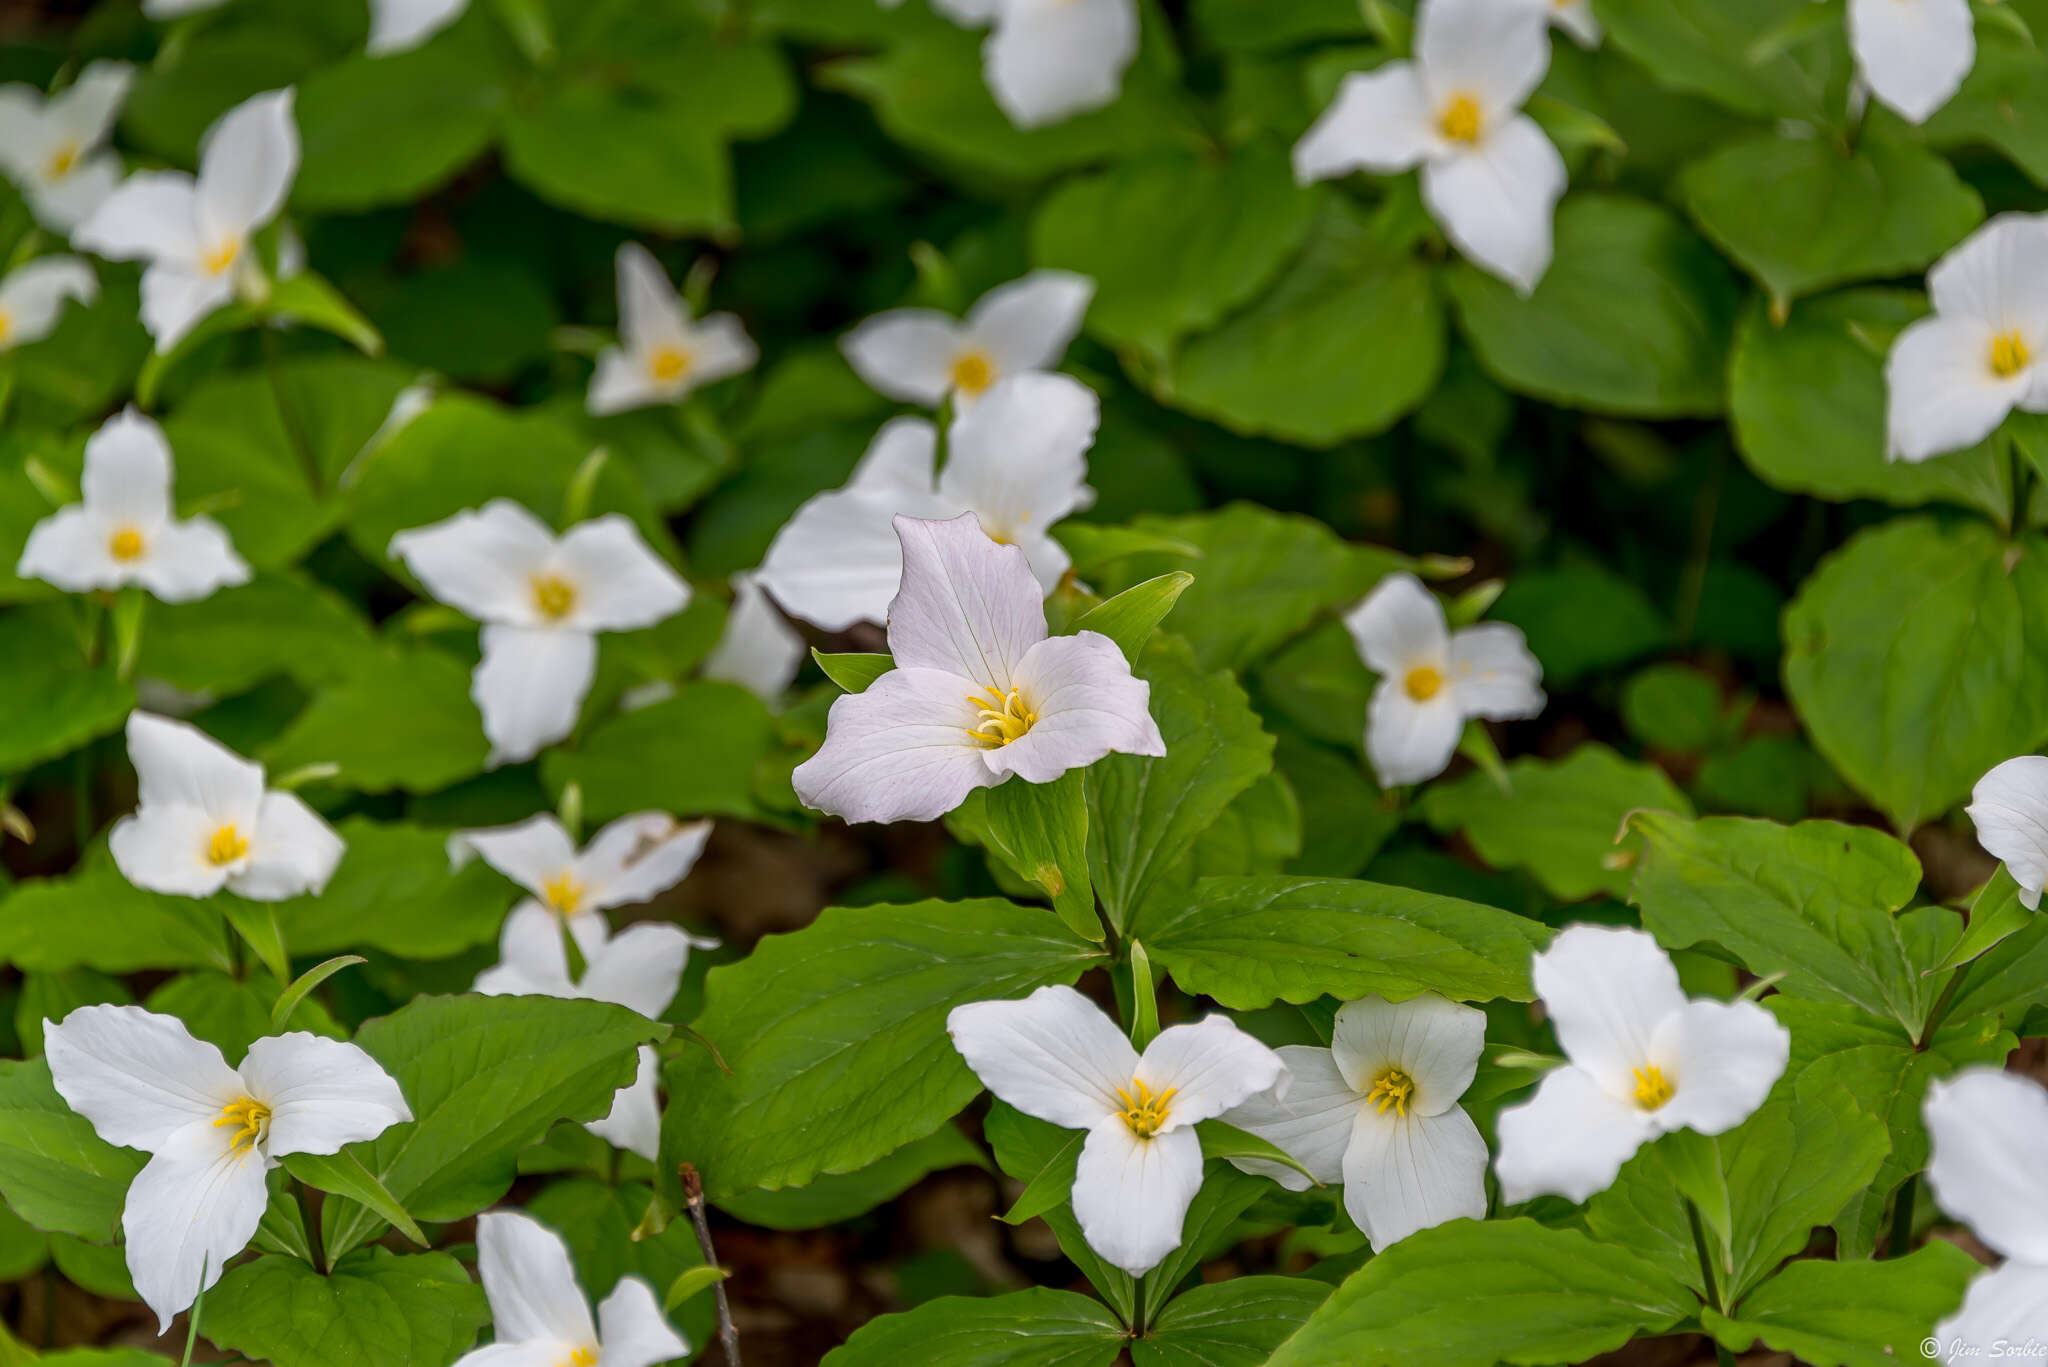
758, 650
1643, 1061
663, 353
33, 295
542, 600
196, 234
1490, 177
1017, 460
1432, 679
1952, 377
401, 25
539, 1313
1913, 54
1988, 1136
921, 355
979, 691
124, 531
2009, 807
54, 149
204, 821
1056, 1056
211, 1131
1378, 1111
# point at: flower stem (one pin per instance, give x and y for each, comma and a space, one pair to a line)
1901, 1242
314, 1243
693, 1196
1699, 1243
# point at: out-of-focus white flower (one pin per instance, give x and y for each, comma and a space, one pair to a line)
2009, 807
1573, 16
1017, 460
1987, 1132
759, 651
1913, 54
124, 530
33, 295
631, 860
921, 355
175, 9
55, 150
663, 354
401, 25
1490, 177
540, 1315
196, 233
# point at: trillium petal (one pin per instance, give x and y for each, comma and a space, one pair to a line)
620, 583
153, 216
178, 765
1941, 393
639, 968
1988, 1136
1027, 325
1913, 56
1722, 1058
1493, 54
634, 1122
1131, 1195
163, 848
1088, 704
189, 560
291, 852
1496, 200
24, 139
32, 296
1436, 1042
719, 348
532, 1353
1210, 1066
532, 959
1995, 276
1049, 59
1493, 673
127, 475
1053, 1055
968, 605
139, 1077
2009, 807
84, 112
530, 1281
1570, 1139
907, 354
194, 1205
322, 1093
1404, 1173
2006, 1307
1018, 457
1410, 741
1398, 626
65, 204
903, 750
1576, 17
532, 853
481, 562
1311, 1122
758, 650
247, 162
1380, 121
530, 687
400, 25
621, 382
1607, 990
70, 548
634, 859
650, 312
632, 1330
175, 299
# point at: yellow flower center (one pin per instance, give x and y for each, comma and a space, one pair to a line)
227, 845
582, 1357
1460, 120
668, 363
1652, 1088
1392, 1090
1004, 717
125, 544
1144, 1111
553, 595
62, 159
973, 371
564, 893
251, 1119
221, 257
1424, 682
6, 325
2008, 354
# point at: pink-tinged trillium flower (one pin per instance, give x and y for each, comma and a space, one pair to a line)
758, 650
1433, 679
33, 295
921, 355
1017, 460
204, 821
124, 531
55, 150
542, 600
539, 1313
1953, 376
1056, 1056
979, 691
1643, 1061
2009, 807
197, 234
211, 1131
1378, 1111
1490, 177
1988, 1137
1913, 54
401, 25
663, 353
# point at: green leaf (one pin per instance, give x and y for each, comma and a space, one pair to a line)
101, 920
50, 702
695, 752
1561, 821
1039, 1327
2003, 102
688, 1285
55, 1172
1852, 1313
839, 1197
1551, 1295
1041, 831
1633, 317
1025, 1146
1051, 1185
1249, 942
344, 1175
2007, 979
1712, 51
376, 1309
280, 623
1220, 1140
1130, 617
836, 1041
1996, 913
853, 672
394, 891
1886, 207
231, 1013
1580, 619
309, 301
1236, 1323
1917, 657
401, 719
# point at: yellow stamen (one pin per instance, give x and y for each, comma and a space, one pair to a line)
1005, 721
668, 364
251, 1119
553, 595
564, 893
221, 257
581, 1357
1144, 1110
62, 159
1652, 1090
1460, 120
2008, 354
227, 845
973, 371
6, 326
125, 544
1392, 1090
1424, 682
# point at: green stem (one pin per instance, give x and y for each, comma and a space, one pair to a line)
1940, 1008
192, 1321
1137, 1307
1699, 1243
316, 1245
1902, 1218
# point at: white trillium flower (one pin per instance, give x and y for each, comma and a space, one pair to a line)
979, 691
54, 149
1378, 1111
1913, 54
177, 9
1643, 1061
401, 25
124, 530
921, 355
204, 821
663, 354
1953, 376
758, 650
539, 1313
1432, 679
2009, 807
1018, 461
542, 600
1988, 1136
197, 234
32, 296
1490, 177
1046, 60
211, 1131
1056, 1056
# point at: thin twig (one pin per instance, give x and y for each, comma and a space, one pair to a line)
693, 1196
